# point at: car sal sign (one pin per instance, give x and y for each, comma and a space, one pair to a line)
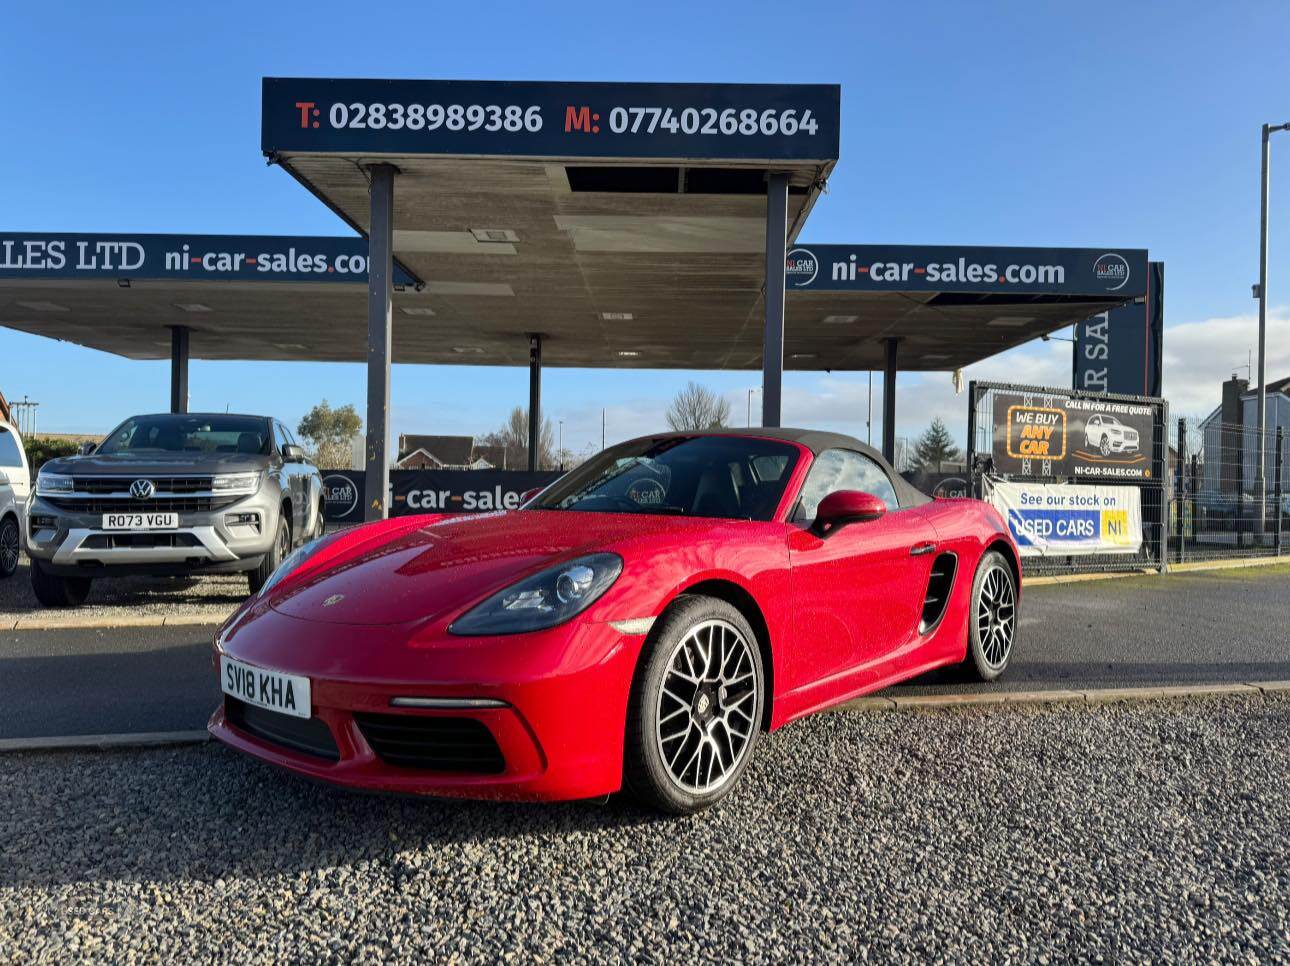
1065, 519
1057, 434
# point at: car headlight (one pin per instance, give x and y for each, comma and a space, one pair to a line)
293, 561
52, 483
544, 600
234, 483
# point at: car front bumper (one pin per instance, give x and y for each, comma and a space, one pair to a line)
204, 542
560, 703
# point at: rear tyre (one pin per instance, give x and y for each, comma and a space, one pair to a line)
1105, 446
992, 618
320, 525
258, 577
8, 546
54, 591
696, 707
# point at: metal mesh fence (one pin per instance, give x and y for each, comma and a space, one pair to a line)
1221, 507
1155, 490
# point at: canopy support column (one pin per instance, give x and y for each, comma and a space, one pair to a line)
535, 398
179, 368
380, 295
772, 343
889, 403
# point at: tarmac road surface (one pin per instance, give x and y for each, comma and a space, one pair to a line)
1210, 627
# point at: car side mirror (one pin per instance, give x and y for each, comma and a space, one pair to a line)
843, 507
86, 448
292, 453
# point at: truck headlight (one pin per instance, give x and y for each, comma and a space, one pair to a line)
544, 600
49, 483
236, 483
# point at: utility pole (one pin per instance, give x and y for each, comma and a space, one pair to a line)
602, 429
1262, 293
868, 420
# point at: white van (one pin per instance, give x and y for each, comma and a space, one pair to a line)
15, 486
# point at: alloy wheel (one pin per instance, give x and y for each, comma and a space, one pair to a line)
8, 548
996, 616
705, 706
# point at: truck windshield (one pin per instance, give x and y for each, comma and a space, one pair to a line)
189, 434
736, 477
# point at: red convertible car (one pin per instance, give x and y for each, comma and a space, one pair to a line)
636, 624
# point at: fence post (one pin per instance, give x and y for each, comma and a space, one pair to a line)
971, 441
1276, 507
1180, 501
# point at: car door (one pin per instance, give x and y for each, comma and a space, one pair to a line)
857, 593
290, 480
13, 464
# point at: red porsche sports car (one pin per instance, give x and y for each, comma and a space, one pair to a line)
636, 624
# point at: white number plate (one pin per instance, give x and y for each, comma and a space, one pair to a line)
140, 521
272, 690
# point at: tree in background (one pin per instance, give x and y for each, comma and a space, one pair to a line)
331, 433
41, 449
697, 407
935, 447
513, 438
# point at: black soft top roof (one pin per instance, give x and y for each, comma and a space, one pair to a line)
817, 441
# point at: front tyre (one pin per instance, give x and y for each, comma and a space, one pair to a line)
258, 577
992, 620
55, 591
8, 546
696, 707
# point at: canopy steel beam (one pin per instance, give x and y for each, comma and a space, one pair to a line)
772, 346
889, 403
380, 296
535, 398
179, 368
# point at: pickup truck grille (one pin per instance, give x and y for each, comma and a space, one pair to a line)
121, 484
164, 504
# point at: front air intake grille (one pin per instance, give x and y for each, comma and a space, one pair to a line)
121, 484
152, 540
432, 743
939, 586
161, 504
307, 735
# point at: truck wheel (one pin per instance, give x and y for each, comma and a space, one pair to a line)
8, 546
53, 591
258, 577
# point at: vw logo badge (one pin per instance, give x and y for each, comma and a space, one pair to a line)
143, 489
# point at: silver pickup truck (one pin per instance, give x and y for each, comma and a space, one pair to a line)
172, 494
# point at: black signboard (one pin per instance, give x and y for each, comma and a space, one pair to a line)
1066, 436
1120, 272
343, 492
1119, 351
461, 491
540, 119
254, 258
431, 491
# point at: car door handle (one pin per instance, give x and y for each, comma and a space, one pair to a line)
918, 549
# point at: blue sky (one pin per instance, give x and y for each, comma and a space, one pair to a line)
1132, 125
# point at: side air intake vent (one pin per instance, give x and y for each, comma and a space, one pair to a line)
939, 585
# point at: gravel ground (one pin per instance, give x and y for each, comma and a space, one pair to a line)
1149, 830
127, 597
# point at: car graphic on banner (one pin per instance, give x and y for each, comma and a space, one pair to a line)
1108, 435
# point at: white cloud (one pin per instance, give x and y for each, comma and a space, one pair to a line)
1200, 356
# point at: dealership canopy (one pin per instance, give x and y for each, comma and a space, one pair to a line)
594, 225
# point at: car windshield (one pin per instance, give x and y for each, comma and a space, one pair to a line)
189, 434
734, 477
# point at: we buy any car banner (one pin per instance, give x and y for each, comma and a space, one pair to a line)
1067, 519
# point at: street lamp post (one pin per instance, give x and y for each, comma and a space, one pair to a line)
749, 417
1268, 131
559, 447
